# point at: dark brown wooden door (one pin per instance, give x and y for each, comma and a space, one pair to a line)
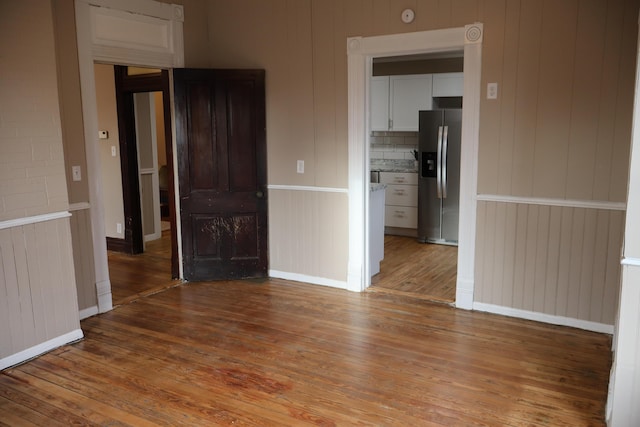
220, 128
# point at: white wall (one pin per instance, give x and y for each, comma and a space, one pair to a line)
110, 165
38, 304
624, 386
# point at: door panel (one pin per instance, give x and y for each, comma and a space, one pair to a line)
220, 124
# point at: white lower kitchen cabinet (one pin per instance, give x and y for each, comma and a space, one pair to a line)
401, 199
401, 216
376, 227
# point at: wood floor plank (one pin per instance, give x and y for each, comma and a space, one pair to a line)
274, 352
419, 270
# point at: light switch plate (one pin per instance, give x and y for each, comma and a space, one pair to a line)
76, 173
300, 166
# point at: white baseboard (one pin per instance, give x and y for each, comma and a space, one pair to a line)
545, 318
308, 279
464, 298
105, 300
88, 312
42, 348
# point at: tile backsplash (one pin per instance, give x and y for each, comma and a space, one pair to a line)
393, 150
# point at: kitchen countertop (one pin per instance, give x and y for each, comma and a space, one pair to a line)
394, 169
376, 186
377, 165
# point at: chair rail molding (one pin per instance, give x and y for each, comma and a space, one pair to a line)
566, 203
306, 188
19, 222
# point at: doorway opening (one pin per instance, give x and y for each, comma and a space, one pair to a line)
412, 97
135, 155
361, 51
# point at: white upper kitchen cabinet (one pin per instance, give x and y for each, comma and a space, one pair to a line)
448, 84
396, 100
380, 103
408, 95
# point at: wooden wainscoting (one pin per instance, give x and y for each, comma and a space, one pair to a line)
277, 353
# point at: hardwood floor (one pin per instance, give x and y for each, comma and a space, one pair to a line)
134, 276
271, 352
419, 270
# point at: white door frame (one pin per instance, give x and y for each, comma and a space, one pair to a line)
361, 51
126, 32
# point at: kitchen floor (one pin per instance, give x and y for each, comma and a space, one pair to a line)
419, 270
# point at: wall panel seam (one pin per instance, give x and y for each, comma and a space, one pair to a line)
19, 222
568, 203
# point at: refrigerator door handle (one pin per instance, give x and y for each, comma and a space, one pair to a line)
439, 164
443, 165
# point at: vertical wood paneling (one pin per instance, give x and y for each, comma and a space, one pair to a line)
554, 98
526, 107
339, 159
426, 18
520, 233
614, 254
541, 260
11, 290
562, 294
464, 12
481, 251
575, 262
608, 90
507, 98
555, 260
27, 306
489, 250
531, 241
585, 104
84, 270
489, 156
508, 262
599, 264
324, 92
560, 127
588, 264
38, 285
379, 14
501, 237
626, 80
306, 233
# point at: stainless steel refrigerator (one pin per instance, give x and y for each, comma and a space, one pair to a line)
439, 176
